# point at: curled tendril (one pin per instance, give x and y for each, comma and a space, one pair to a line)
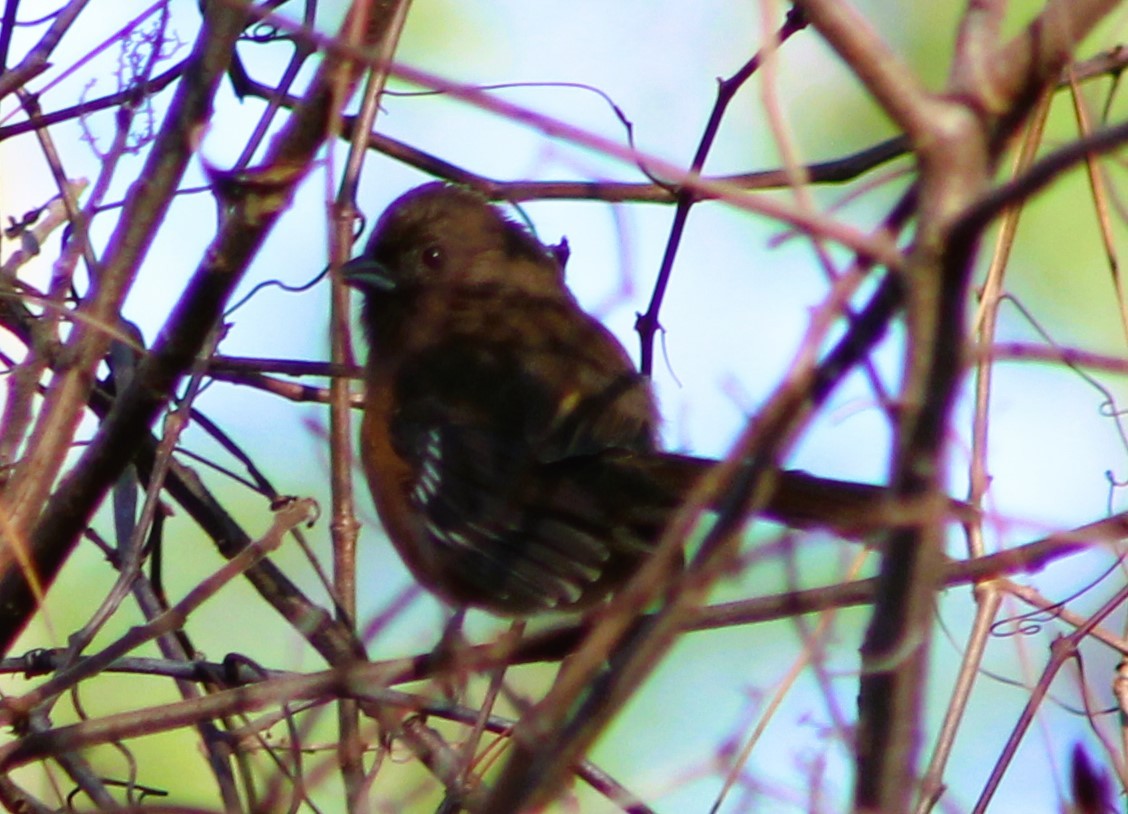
263, 33
1025, 624
276, 283
287, 287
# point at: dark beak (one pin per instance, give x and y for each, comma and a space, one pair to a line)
368, 275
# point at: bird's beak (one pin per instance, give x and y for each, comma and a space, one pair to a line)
368, 275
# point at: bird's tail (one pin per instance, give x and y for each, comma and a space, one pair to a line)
802, 500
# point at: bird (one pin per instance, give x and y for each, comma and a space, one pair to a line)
509, 442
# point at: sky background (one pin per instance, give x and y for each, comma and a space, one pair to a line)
738, 305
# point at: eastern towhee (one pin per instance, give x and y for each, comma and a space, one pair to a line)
510, 445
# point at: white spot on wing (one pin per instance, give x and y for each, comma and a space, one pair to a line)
430, 470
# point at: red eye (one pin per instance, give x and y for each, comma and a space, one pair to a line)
433, 257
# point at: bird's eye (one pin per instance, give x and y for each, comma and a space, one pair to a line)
433, 257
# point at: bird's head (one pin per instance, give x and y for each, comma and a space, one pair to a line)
443, 236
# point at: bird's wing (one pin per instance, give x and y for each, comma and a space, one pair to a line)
526, 486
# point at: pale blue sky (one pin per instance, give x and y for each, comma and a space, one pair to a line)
734, 313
